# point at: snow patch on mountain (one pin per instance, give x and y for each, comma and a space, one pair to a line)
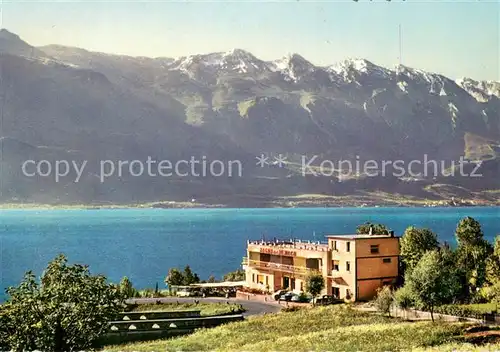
292, 66
347, 67
482, 91
403, 85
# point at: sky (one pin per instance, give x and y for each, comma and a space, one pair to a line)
455, 38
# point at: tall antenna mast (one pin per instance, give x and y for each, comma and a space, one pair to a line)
400, 47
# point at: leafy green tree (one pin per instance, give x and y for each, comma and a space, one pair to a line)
468, 232
67, 310
174, 278
211, 279
414, 243
237, 275
493, 264
377, 229
315, 283
491, 293
127, 290
403, 298
472, 253
384, 300
432, 283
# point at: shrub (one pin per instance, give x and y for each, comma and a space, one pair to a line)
459, 311
255, 291
291, 309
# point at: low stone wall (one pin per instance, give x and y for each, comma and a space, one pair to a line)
254, 297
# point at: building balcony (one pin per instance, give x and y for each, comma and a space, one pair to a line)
257, 264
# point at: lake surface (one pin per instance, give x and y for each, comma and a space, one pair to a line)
144, 243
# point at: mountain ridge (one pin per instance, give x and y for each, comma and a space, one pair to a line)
232, 105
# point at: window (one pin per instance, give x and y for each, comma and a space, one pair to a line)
335, 265
334, 245
386, 260
253, 277
267, 280
336, 292
348, 266
374, 249
348, 246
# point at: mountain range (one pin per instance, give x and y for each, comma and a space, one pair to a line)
66, 103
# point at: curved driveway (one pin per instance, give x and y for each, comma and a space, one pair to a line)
251, 307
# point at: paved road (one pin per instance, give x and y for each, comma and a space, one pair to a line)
251, 307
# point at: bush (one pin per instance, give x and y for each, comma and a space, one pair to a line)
459, 311
254, 291
291, 309
304, 298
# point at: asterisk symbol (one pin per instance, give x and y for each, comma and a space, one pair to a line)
280, 160
262, 160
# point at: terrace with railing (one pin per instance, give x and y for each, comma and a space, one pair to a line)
301, 270
293, 244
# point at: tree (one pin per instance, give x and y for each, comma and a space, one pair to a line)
376, 229
493, 264
414, 243
174, 278
211, 279
403, 298
468, 232
189, 276
237, 275
432, 283
126, 288
315, 283
492, 293
472, 253
67, 310
384, 300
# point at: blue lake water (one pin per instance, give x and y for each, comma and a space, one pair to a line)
144, 243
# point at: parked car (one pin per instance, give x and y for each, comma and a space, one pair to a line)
278, 294
287, 296
326, 300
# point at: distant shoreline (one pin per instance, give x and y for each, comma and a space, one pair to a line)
193, 205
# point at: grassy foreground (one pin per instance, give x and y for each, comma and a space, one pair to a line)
206, 309
334, 328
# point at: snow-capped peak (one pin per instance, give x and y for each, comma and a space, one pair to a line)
357, 65
237, 60
292, 66
482, 91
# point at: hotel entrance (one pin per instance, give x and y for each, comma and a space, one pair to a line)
286, 282
289, 282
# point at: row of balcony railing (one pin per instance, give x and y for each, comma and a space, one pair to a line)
258, 264
277, 266
301, 245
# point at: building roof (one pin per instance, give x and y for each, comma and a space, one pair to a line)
358, 236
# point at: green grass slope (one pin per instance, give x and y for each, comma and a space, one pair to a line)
336, 328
